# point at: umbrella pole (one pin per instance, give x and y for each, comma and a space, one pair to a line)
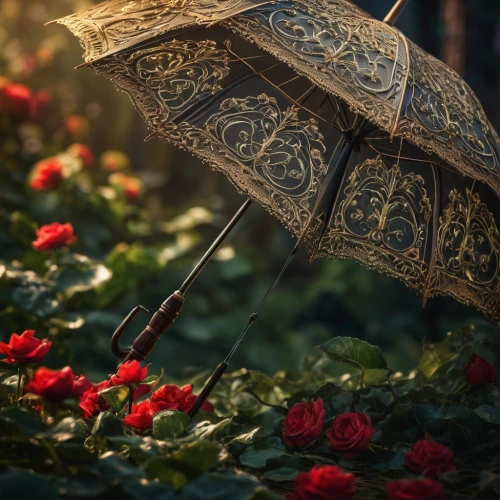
222, 367
164, 317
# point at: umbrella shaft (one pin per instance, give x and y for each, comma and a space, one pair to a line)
214, 247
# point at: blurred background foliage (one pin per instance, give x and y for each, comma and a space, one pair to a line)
137, 247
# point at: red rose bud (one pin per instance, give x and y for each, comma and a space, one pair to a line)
478, 371
429, 458
77, 125
25, 348
323, 483
303, 424
141, 417
48, 174
52, 236
414, 489
171, 397
83, 153
52, 385
129, 373
91, 402
351, 433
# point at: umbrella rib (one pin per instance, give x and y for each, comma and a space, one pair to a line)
228, 46
435, 228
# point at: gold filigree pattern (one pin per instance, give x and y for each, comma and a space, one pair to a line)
268, 153
169, 78
117, 24
196, 96
349, 56
468, 254
372, 66
382, 221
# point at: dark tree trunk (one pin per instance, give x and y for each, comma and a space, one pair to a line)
453, 47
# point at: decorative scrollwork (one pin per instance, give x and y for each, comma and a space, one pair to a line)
168, 78
382, 76
347, 55
382, 221
385, 208
286, 152
468, 253
123, 23
444, 114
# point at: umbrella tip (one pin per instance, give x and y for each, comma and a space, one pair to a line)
395, 12
51, 22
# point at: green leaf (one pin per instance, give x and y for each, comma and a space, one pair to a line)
149, 491
257, 459
71, 280
490, 414
168, 424
160, 468
199, 456
434, 357
205, 428
283, 474
14, 419
355, 352
375, 376
116, 397
107, 424
36, 298
220, 486
26, 486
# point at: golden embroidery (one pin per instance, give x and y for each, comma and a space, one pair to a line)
382, 221
382, 76
468, 254
168, 78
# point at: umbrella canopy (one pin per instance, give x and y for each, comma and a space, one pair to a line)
362, 144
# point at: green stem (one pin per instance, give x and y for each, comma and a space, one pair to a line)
19, 393
362, 379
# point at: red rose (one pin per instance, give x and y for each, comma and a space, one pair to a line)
429, 458
91, 402
303, 423
171, 397
25, 348
16, 99
351, 433
414, 489
48, 174
141, 416
80, 385
323, 483
53, 385
83, 152
129, 373
478, 371
55, 235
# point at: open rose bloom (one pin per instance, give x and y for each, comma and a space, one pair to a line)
25, 348
53, 236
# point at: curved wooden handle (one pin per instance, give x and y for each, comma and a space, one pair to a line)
161, 321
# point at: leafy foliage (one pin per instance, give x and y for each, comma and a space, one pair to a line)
241, 454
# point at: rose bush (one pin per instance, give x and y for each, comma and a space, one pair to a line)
324, 438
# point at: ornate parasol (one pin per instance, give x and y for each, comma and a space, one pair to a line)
362, 144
